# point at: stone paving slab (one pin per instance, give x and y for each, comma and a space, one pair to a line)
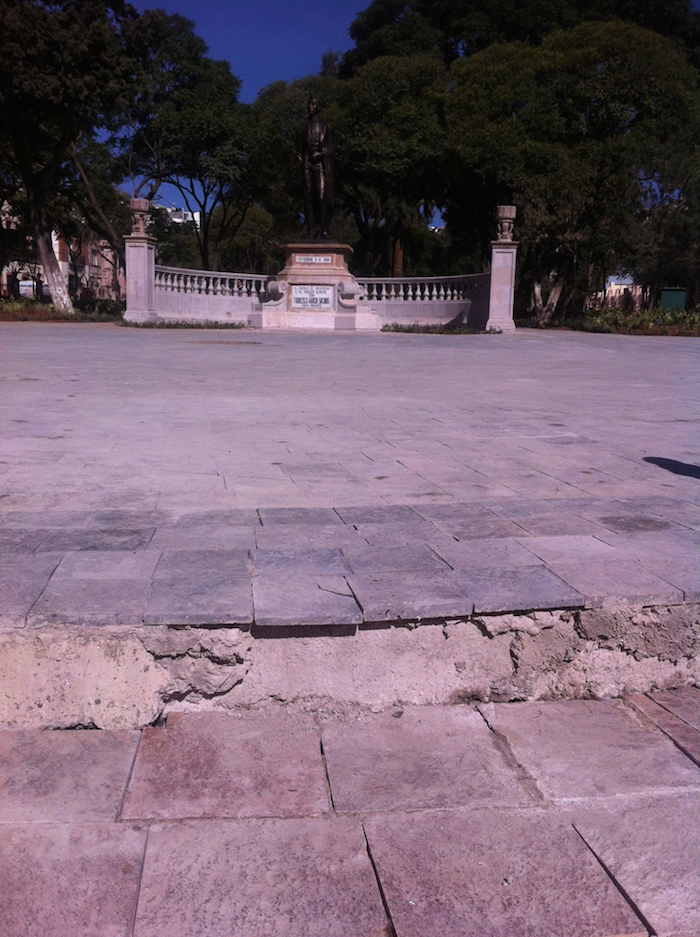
575, 748
410, 595
228, 765
200, 587
419, 757
277, 878
354, 442
453, 873
66, 777
76, 601
683, 702
304, 599
685, 736
520, 588
69, 880
651, 847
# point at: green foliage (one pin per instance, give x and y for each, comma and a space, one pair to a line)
434, 329
25, 309
655, 321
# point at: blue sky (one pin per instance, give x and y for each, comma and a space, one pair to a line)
267, 40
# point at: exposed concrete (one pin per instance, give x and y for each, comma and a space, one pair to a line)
119, 678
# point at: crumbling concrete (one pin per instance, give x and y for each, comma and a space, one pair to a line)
130, 677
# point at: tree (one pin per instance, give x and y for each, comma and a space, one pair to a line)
63, 73
389, 131
578, 132
460, 28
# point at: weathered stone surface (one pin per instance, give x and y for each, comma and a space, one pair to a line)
107, 564
271, 517
61, 680
651, 847
212, 536
281, 562
303, 599
67, 777
16, 598
685, 737
575, 749
380, 666
418, 757
411, 595
57, 541
667, 632
307, 537
201, 587
69, 880
392, 559
683, 702
457, 872
522, 587
273, 877
243, 764
503, 552
605, 582
76, 601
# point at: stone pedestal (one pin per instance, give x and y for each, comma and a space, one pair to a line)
314, 290
140, 266
504, 252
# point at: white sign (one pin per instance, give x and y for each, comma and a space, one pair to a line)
26, 287
312, 259
312, 297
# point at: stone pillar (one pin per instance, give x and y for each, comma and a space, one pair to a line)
503, 256
140, 266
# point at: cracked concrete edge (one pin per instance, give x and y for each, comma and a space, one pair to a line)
130, 677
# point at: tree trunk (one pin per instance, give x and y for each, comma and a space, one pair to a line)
397, 265
115, 242
544, 312
60, 297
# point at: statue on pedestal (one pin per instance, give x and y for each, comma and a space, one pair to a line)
316, 150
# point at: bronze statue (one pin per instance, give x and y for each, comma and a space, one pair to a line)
316, 150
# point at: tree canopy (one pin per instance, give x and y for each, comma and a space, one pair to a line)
586, 115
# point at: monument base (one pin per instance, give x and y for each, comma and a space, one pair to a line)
314, 290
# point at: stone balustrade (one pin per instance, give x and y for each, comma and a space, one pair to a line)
417, 289
206, 282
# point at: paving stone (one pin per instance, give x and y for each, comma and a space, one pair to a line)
107, 564
390, 513
602, 581
204, 537
557, 525
685, 736
493, 874
392, 559
575, 748
502, 552
17, 597
44, 519
303, 599
453, 513
304, 516
683, 702
129, 520
481, 528
61, 880
630, 523
569, 548
247, 764
69, 776
515, 508
307, 537
242, 517
410, 595
72, 601
21, 541
201, 587
329, 561
418, 757
520, 588
63, 540
276, 878
651, 847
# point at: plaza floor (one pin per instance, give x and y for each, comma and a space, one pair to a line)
246, 556
549, 819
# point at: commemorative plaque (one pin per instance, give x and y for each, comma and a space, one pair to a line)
312, 297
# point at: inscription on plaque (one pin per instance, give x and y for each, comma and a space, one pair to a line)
312, 259
312, 297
